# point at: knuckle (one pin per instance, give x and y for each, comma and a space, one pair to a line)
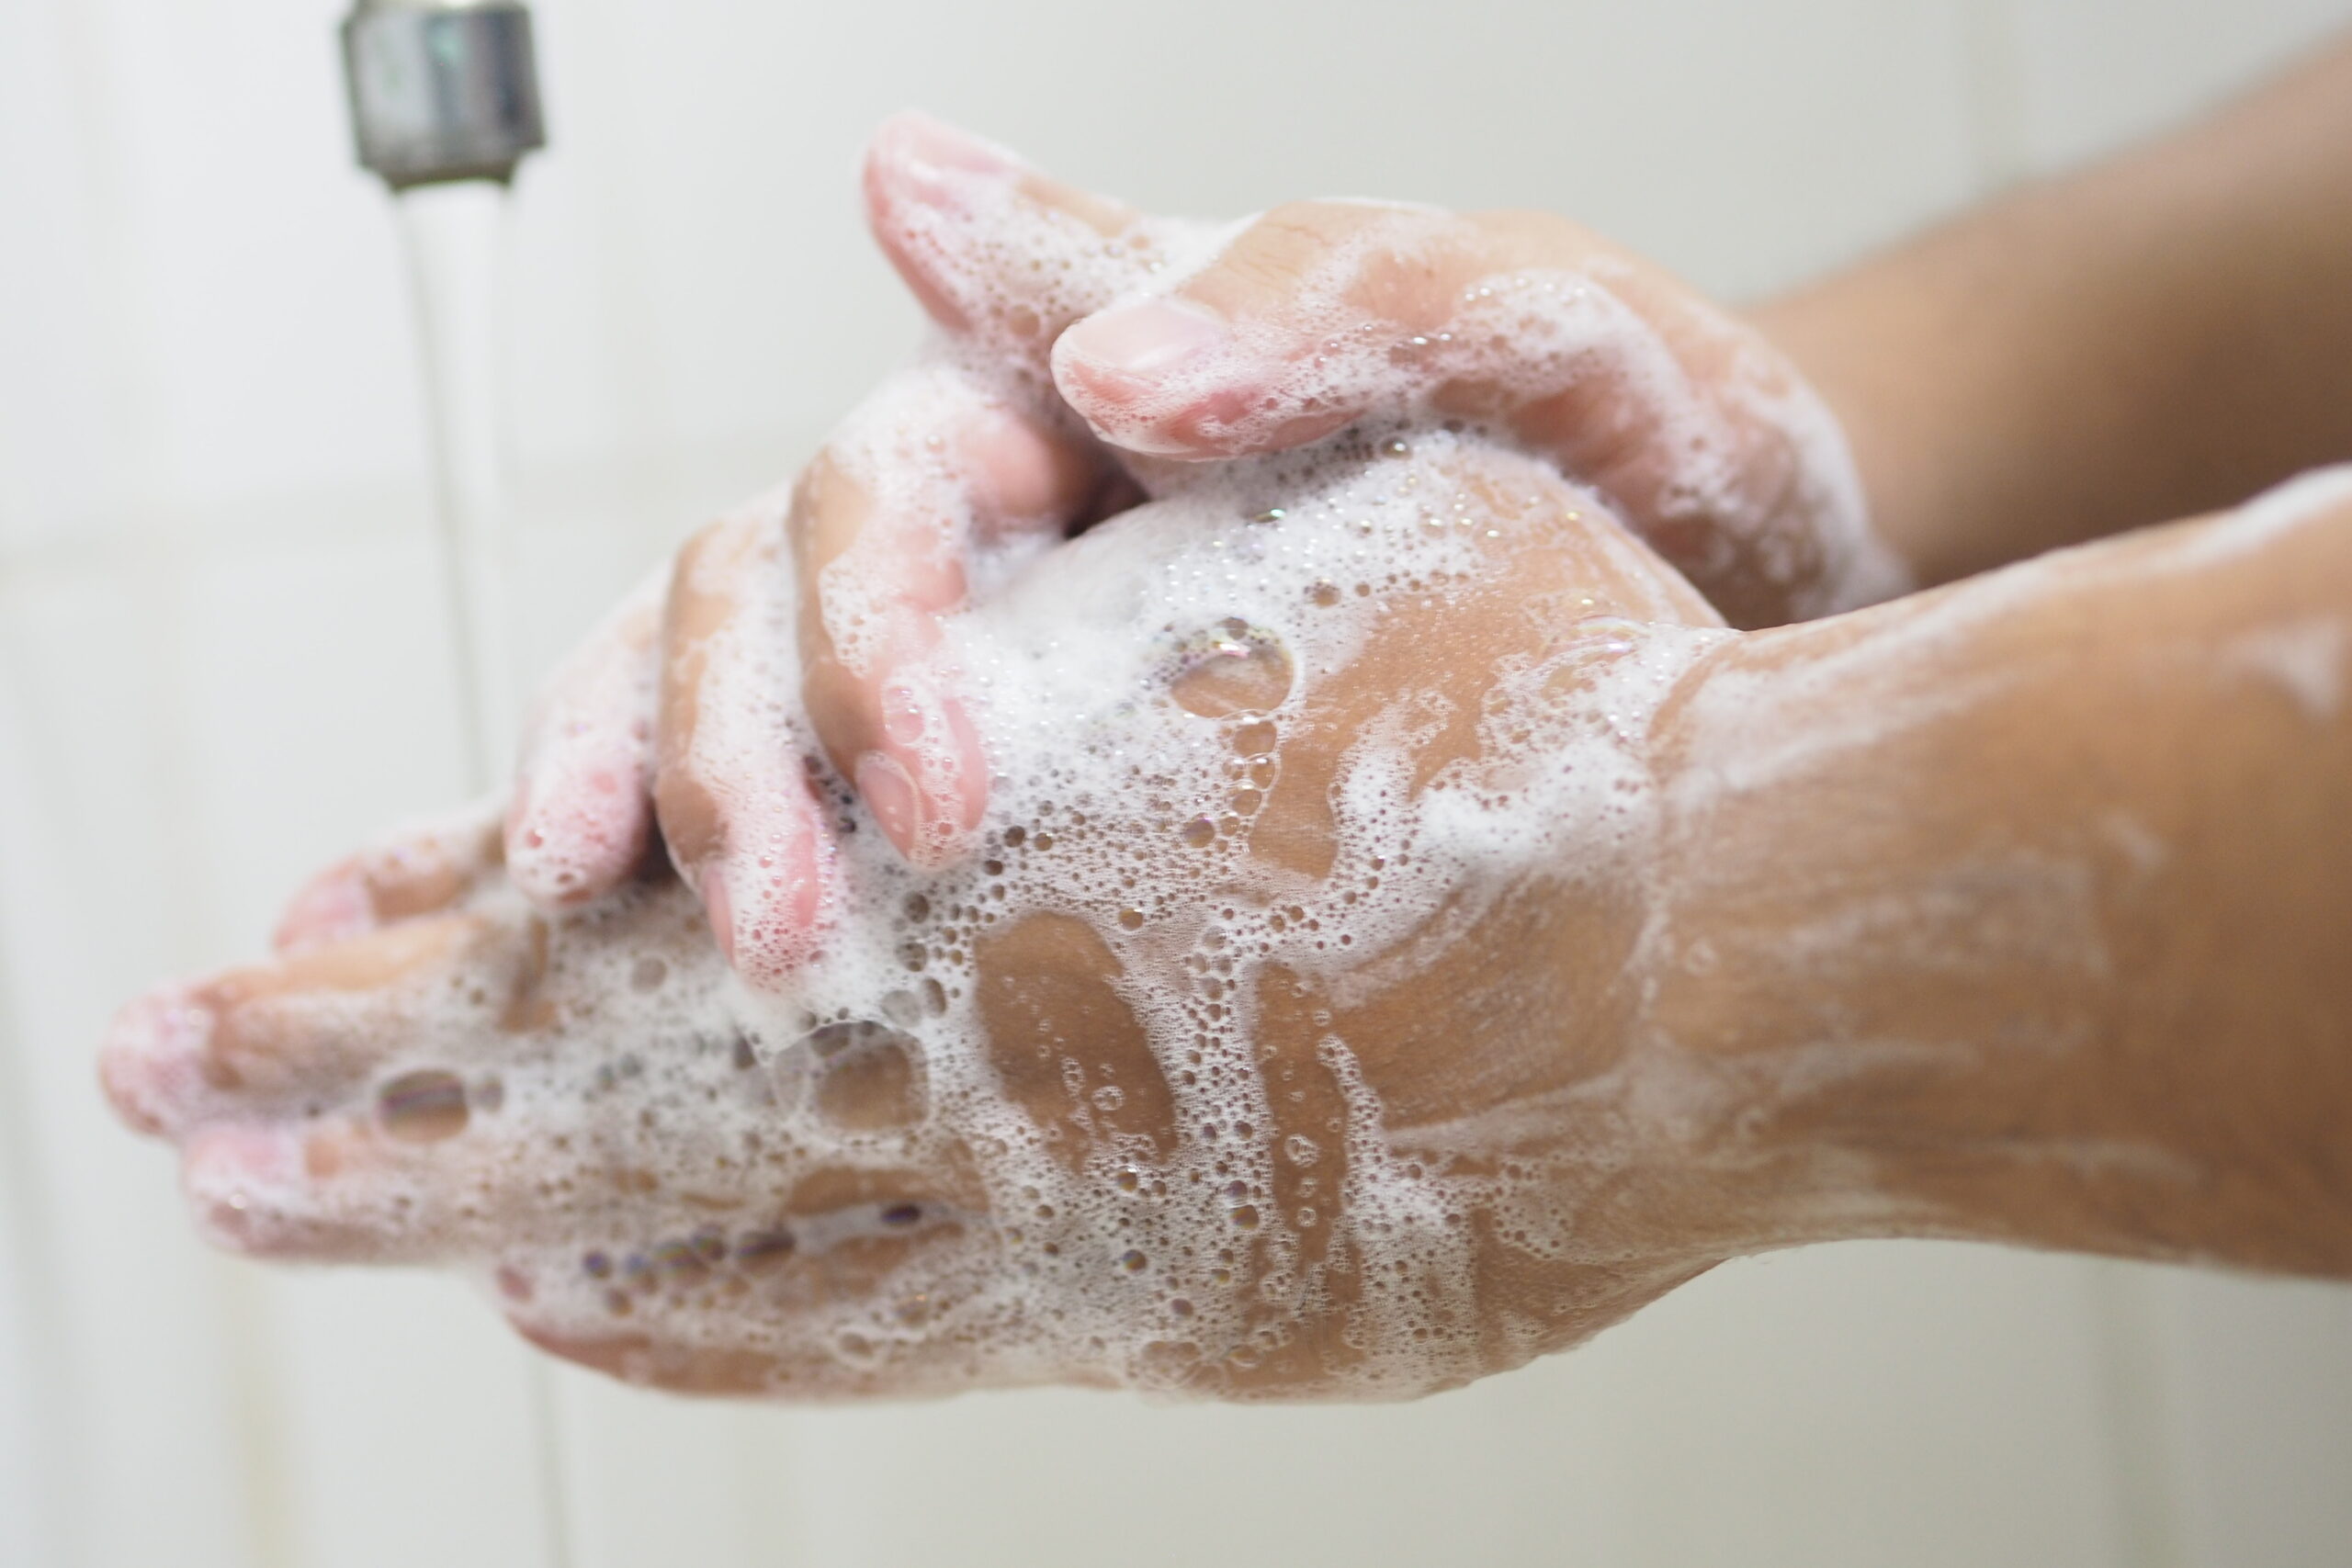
1271, 255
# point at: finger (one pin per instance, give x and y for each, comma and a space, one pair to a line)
432, 1167
337, 1190
935, 467
1321, 314
669, 1311
732, 795
951, 461
996, 252
262, 1036
583, 807
1306, 321
419, 873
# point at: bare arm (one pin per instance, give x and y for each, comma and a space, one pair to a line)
2026, 903
2163, 334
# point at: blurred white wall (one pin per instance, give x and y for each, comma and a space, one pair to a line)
222, 659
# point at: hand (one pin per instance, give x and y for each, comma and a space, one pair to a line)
1335, 313
1284, 1040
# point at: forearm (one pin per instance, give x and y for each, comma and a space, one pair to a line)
2022, 908
2160, 335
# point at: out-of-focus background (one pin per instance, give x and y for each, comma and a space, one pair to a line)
224, 657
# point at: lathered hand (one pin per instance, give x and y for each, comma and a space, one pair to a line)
1277, 1041
1087, 352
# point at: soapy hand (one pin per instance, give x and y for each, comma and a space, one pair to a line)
1279, 1039
1192, 342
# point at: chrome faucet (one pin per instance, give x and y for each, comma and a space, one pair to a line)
442, 89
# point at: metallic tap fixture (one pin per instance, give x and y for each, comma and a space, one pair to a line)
442, 89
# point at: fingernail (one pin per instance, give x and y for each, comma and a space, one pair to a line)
236, 1179
904, 713
721, 910
1141, 340
150, 1061
929, 150
890, 793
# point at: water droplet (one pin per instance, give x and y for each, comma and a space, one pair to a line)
1234, 669
1301, 1149
1131, 920
1133, 1262
1199, 833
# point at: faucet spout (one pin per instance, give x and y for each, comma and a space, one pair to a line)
442, 90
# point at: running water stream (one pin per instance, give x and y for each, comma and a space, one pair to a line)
454, 237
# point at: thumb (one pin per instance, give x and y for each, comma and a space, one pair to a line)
1315, 315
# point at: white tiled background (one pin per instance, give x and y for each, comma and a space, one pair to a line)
222, 659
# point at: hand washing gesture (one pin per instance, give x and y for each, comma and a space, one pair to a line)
1192, 342
1352, 923
1268, 1042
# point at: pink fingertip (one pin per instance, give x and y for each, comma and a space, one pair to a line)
150, 1062
577, 838
231, 1174
928, 153
776, 903
970, 787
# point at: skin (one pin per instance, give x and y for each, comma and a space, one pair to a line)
1851, 981
2160, 335
2157, 336
2085, 997
1046, 439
